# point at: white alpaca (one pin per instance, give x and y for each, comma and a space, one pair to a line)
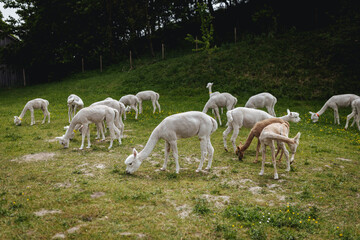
343, 100
172, 128
209, 86
37, 103
132, 101
148, 95
262, 100
355, 105
220, 100
94, 114
120, 107
74, 102
278, 132
248, 117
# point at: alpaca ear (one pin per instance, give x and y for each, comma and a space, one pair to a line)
135, 153
288, 111
311, 113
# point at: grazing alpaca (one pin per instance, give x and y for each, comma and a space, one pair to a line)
220, 100
355, 105
209, 86
255, 132
172, 128
37, 103
343, 100
262, 100
74, 102
278, 132
132, 101
94, 114
148, 95
119, 107
248, 117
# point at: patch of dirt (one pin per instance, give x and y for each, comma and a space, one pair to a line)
35, 157
44, 212
97, 194
184, 211
255, 190
58, 235
138, 235
51, 140
344, 159
75, 229
63, 185
100, 166
219, 201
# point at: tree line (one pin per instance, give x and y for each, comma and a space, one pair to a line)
56, 34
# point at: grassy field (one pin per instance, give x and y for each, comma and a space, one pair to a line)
47, 191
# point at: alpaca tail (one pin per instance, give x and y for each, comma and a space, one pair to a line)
215, 125
235, 102
47, 103
229, 117
273, 105
157, 96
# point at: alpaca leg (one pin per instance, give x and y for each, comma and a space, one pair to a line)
225, 133
44, 112
75, 110
125, 115
102, 130
217, 114
118, 134
48, 115
88, 137
158, 105
112, 132
210, 150
69, 114
32, 116
83, 133
336, 116
140, 106
234, 136
203, 147
167, 152
136, 111
348, 118
257, 151
154, 106
173, 146
263, 151
272, 147
278, 151
222, 110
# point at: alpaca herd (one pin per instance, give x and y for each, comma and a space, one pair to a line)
265, 126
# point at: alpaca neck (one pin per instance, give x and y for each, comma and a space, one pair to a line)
24, 111
323, 109
154, 138
70, 129
248, 141
210, 92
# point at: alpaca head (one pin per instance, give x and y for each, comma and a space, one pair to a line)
314, 116
238, 152
294, 146
17, 120
63, 141
209, 85
294, 116
132, 162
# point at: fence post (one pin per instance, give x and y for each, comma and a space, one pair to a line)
82, 64
235, 34
131, 65
24, 76
163, 51
100, 63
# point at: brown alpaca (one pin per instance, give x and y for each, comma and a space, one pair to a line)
255, 132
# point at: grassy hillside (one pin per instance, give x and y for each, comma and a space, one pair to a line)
47, 191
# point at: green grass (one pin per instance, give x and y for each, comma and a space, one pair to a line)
318, 199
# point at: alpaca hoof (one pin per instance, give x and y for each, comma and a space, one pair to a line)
226, 150
198, 170
88, 147
162, 169
261, 173
207, 169
276, 177
256, 161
